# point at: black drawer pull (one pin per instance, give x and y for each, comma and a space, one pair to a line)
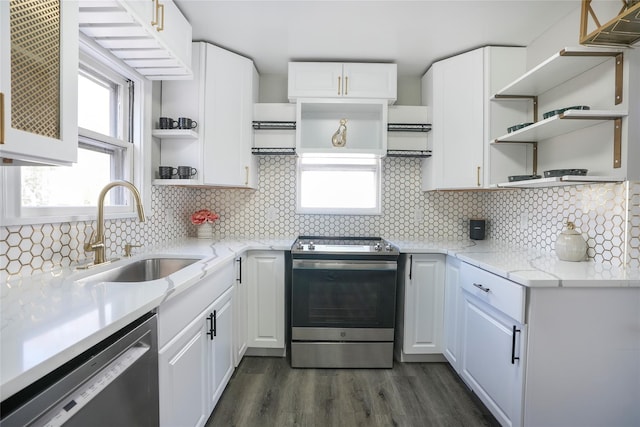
211, 319
513, 345
482, 288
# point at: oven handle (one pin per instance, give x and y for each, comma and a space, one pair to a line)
331, 264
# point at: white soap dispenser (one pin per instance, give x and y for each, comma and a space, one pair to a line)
570, 245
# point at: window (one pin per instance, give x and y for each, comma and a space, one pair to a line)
331, 185
106, 110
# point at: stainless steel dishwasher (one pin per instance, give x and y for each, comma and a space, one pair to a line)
115, 383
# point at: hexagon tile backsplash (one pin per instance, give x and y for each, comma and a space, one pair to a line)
608, 215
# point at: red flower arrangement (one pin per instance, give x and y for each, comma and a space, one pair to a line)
204, 215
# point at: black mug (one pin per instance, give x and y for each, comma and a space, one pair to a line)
186, 123
186, 172
167, 172
477, 229
167, 123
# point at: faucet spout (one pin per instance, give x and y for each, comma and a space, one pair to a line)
98, 244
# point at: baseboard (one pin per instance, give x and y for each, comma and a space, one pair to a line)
420, 358
266, 352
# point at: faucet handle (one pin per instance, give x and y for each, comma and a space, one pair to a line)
92, 245
128, 247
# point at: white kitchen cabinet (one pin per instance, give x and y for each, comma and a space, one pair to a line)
342, 80
196, 356
493, 348
420, 312
457, 91
265, 281
220, 99
182, 380
152, 37
453, 303
240, 311
38, 83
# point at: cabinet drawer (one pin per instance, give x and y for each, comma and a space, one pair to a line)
175, 314
500, 293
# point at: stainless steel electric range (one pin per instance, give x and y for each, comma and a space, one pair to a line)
343, 301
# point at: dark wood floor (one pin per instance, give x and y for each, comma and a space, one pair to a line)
268, 392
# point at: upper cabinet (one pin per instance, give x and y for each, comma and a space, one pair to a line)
220, 99
151, 36
456, 90
338, 80
38, 82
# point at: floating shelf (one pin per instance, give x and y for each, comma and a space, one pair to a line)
188, 182
562, 67
175, 134
560, 181
569, 121
623, 30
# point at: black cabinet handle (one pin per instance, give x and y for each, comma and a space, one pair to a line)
212, 328
214, 323
410, 266
513, 345
239, 261
482, 288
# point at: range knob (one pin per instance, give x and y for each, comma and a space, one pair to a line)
377, 247
300, 245
311, 246
388, 247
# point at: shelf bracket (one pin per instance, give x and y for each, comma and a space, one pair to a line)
533, 98
617, 143
535, 152
623, 30
619, 63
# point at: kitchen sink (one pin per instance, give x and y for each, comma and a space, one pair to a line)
142, 270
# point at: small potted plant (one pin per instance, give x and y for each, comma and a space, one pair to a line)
204, 219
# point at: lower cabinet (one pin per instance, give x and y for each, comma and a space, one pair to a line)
240, 311
265, 284
196, 357
420, 304
493, 337
452, 309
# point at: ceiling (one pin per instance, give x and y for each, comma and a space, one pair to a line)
412, 34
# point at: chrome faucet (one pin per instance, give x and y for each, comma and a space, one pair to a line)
98, 245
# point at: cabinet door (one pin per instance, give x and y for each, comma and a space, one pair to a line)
221, 347
240, 312
459, 108
183, 383
423, 304
38, 82
452, 312
265, 275
487, 365
378, 81
227, 143
315, 80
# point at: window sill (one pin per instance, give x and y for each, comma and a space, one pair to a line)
6, 222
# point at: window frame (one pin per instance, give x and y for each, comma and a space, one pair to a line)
138, 153
376, 167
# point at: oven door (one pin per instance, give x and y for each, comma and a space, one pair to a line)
343, 294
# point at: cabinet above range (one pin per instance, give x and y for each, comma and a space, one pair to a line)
342, 80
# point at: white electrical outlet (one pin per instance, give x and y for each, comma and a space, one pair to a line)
271, 214
524, 221
418, 216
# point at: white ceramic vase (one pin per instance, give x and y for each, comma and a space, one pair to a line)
205, 231
570, 245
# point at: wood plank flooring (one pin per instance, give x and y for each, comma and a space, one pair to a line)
268, 392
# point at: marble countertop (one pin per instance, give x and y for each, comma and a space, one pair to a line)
48, 319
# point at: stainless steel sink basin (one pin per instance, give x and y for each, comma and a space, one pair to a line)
142, 270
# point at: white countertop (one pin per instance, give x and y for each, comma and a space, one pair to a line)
48, 319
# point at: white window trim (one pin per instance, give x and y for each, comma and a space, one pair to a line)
339, 211
140, 153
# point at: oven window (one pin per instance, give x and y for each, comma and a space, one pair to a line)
343, 298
